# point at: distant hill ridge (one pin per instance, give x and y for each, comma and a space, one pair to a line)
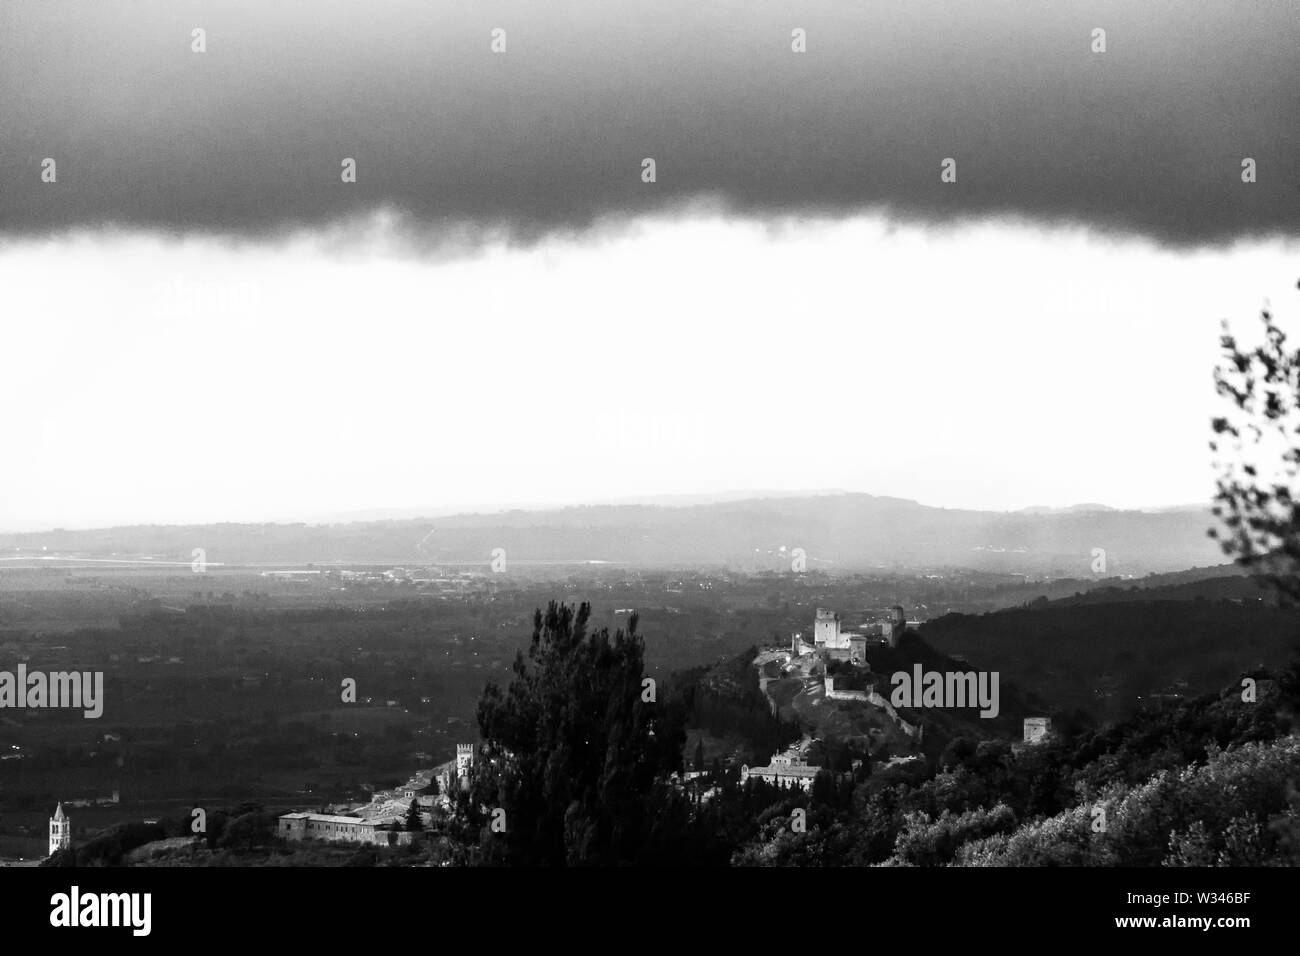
835, 531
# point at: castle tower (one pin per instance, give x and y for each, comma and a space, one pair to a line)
826, 630
464, 760
893, 629
60, 831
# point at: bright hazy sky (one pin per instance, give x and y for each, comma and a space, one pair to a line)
991, 367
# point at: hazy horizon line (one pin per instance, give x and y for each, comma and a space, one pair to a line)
669, 500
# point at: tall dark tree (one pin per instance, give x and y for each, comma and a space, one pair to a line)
699, 755
1258, 499
413, 821
248, 831
575, 750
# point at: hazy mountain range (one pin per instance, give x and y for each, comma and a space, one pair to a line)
836, 531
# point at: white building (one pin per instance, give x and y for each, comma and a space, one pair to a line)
323, 826
786, 770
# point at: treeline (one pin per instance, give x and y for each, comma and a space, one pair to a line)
725, 700
1202, 782
1102, 658
242, 829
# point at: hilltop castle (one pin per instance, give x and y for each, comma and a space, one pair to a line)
60, 831
826, 631
831, 642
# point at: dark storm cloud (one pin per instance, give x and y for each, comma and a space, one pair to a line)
247, 138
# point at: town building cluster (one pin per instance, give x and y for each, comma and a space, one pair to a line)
833, 641
382, 821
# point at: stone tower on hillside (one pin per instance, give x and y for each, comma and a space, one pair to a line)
826, 631
60, 831
464, 762
893, 629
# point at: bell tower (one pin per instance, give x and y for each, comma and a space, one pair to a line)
60, 831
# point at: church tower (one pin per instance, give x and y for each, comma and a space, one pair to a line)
464, 764
60, 831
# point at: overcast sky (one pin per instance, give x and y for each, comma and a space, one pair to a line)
203, 322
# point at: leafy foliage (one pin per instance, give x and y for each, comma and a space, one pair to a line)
1257, 499
1209, 781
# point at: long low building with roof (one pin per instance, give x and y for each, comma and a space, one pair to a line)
786, 770
325, 826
